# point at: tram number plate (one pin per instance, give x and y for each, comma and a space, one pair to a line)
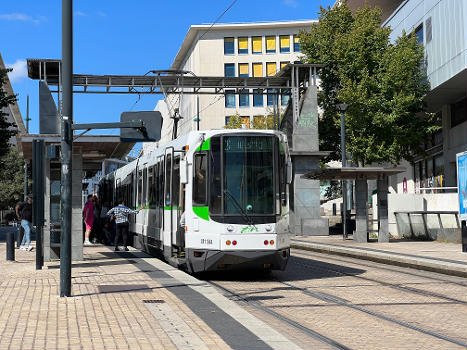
206, 241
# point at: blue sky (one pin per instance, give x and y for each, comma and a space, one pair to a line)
119, 37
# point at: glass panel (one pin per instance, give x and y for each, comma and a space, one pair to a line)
244, 98
243, 45
258, 98
296, 43
229, 46
283, 64
271, 69
285, 97
215, 200
284, 43
257, 69
243, 69
229, 69
257, 43
176, 183
419, 34
245, 122
248, 160
167, 180
270, 44
199, 179
230, 99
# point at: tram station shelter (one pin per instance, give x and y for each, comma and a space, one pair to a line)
361, 176
89, 151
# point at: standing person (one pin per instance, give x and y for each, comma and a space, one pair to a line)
88, 217
24, 213
121, 213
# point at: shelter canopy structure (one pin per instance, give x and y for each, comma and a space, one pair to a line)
361, 176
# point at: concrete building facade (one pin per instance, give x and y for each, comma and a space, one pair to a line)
240, 49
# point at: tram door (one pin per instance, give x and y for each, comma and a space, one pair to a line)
168, 217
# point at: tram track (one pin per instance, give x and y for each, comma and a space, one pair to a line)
331, 299
386, 284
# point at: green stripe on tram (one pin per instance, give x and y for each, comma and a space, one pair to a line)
205, 146
202, 212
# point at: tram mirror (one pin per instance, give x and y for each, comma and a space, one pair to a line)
289, 172
183, 171
152, 126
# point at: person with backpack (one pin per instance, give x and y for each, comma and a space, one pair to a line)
24, 213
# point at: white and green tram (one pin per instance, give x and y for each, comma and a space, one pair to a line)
212, 200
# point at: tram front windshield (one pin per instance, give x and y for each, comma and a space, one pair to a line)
247, 173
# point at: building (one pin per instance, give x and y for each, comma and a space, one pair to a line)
239, 49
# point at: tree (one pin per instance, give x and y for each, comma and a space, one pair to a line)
5, 101
12, 179
383, 83
235, 122
263, 122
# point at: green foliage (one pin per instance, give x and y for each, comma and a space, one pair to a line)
12, 179
5, 100
263, 122
235, 122
384, 85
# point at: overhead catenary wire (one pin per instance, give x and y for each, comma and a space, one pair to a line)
218, 18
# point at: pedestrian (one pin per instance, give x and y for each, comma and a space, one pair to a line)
24, 213
88, 217
121, 213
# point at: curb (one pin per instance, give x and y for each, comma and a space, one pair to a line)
421, 263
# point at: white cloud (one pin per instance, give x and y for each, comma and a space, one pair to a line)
291, 3
20, 17
19, 71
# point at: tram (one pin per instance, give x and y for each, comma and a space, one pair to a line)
211, 200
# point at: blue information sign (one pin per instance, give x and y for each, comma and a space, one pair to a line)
462, 184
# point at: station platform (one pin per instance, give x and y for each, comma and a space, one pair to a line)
121, 300
446, 258
129, 300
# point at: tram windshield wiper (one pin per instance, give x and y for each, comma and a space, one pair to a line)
245, 216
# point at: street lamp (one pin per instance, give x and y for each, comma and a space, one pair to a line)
342, 107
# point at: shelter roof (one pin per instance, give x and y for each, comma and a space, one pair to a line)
351, 173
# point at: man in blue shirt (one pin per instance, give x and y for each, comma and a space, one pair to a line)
121, 212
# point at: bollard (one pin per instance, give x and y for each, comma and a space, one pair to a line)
10, 246
464, 236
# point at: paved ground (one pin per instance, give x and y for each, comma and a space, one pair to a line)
322, 301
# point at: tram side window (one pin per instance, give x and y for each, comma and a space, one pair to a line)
151, 186
176, 182
145, 186
161, 184
199, 179
167, 179
215, 202
140, 188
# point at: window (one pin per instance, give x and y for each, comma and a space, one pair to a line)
229, 46
257, 69
243, 70
284, 43
245, 122
229, 98
285, 97
229, 69
458, 113
243, 45
296, 44
199, 179
429, 34
257, 44
244, 98
270, 44
258, 98
145, 185
167, 177
271, 69
270, 98
419, 34
283, 64
140, 188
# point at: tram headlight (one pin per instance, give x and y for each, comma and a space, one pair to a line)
228, 242
230, 228
268, 227
271, 242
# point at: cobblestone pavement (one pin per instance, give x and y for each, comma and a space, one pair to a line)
106, 311
326, 301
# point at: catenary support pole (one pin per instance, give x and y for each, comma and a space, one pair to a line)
66, 146
344, 182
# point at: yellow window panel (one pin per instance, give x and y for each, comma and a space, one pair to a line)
243, 69
271, 69
257, 69
296, 39
285, 41
257, 44
271, 43
243, 43
246, 121
283, 64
